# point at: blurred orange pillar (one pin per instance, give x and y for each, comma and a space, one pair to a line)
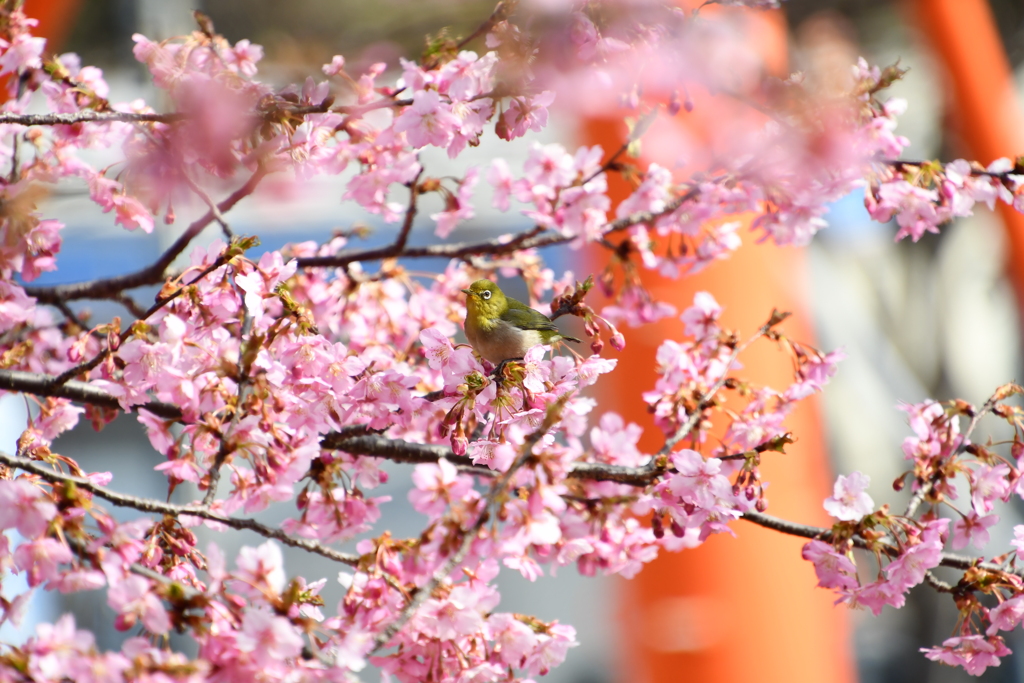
746, 608
963, 34
56, 18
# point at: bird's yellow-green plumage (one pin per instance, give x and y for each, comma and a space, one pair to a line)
500, 328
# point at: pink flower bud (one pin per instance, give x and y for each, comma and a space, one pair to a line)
674, 104
618, 341
459, 442
657, 526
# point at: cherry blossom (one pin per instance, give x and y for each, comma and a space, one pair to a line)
849, 499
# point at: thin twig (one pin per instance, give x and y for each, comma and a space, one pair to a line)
926, 488
691, 421
131, 304
225, 228
533, 238
123, 336
241, 396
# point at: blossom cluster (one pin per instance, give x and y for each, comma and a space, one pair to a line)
941, 455
923, 196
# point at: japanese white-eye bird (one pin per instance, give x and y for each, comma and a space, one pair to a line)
500, 328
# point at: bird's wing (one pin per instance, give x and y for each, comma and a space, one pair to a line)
525, 318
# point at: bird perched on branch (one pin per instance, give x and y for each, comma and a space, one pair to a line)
500, 328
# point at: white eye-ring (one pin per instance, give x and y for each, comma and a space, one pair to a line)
485, 295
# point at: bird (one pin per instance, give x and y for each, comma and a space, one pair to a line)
499, 328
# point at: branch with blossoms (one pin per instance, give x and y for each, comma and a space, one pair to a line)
149, 505
285, 380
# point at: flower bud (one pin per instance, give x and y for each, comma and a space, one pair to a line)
459, 441
674, 103
501, 129
657, 526
618, 341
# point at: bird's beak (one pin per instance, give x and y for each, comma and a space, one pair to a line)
468, 292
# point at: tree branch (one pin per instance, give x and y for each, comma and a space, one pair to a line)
107, 288
535, 238
82, 392
157, 507
369, 445
806, 531
88, 116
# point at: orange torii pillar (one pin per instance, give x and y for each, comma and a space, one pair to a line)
746, 608
963, 35
56, 19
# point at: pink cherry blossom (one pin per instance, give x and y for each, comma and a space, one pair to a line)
41, 559
849, 499
972, 529
833, 570
24, 507
134, 601
429, 121
267, 638
974, 653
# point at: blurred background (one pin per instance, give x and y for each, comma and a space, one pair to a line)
936, 319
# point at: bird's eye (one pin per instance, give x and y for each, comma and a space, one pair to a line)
485, 295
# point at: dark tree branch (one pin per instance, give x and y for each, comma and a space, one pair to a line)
157, 507
501, 12
82, 392
88, 116
806, 531
354, 440
272, 113
153, 274
371, 445
534, 238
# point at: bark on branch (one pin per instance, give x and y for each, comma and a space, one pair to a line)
158, 507
153, 274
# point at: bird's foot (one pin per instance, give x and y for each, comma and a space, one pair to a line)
499, 371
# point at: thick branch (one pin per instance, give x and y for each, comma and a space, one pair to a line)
82, 392
87, 116
272, 113
371, 445
155, 506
